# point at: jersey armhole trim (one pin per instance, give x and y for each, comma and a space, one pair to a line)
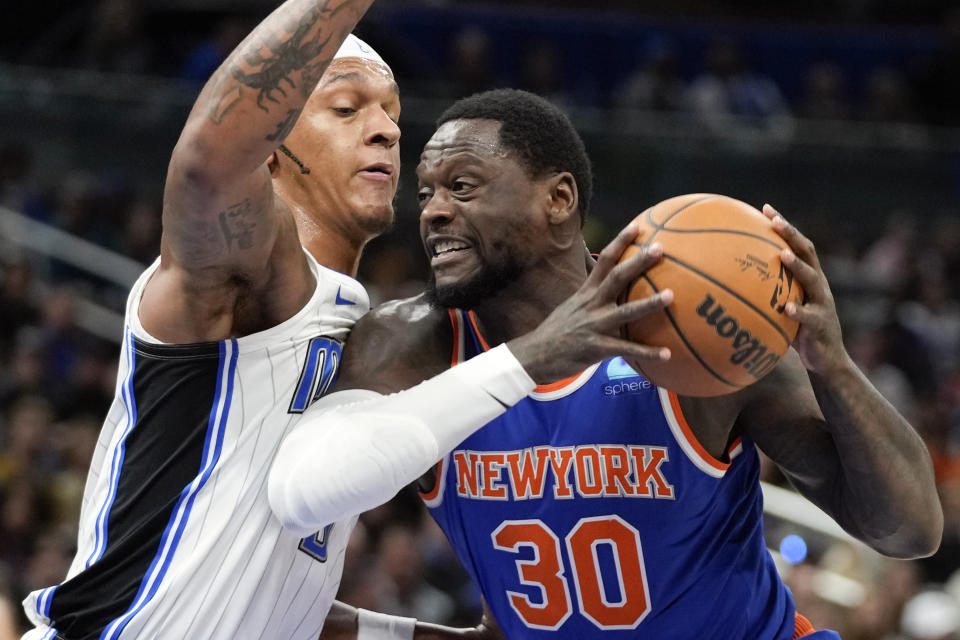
456, 321
434, 497
549, 391
687, 441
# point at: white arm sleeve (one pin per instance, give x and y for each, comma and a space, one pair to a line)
355, 449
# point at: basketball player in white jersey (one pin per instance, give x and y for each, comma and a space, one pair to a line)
287, 166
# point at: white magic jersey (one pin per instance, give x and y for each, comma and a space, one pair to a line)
176, 538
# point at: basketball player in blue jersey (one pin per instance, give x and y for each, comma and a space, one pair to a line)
591, 503
286, 167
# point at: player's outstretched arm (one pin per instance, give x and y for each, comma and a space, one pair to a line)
348, 623
838, 439
218, 202
356, 448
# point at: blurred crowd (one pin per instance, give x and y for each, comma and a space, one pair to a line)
897, 286
733, 72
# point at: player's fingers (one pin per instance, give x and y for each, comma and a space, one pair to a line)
611, 253
633, 310
800, 244
622, 275
802, 313
808, 277
633, 350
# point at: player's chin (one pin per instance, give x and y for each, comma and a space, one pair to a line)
376, 217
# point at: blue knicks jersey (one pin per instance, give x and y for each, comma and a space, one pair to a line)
588, 509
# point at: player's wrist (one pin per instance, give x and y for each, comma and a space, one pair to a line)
372, 625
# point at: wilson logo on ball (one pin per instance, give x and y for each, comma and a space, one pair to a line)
781, 292
748, 351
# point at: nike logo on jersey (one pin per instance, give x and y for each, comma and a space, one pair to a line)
598, 471
341, 300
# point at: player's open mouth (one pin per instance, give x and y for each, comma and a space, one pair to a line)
443, 250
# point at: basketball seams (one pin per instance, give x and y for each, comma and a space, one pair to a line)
663, 225
736, 295
686, 342
746, 234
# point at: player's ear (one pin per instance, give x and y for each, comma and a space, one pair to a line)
273, 163
563, 215
563, 198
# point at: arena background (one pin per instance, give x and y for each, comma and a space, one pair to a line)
845, 114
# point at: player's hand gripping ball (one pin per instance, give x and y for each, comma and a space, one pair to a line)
726, 327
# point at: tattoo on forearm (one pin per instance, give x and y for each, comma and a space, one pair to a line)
284, 127
235, 225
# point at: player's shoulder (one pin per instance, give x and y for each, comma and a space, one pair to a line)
397, 344
407, 320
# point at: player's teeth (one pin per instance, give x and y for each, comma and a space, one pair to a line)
448, 245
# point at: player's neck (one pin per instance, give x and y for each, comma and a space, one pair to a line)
329, 245
327, 235
522, 305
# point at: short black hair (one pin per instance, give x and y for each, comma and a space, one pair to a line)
539, 132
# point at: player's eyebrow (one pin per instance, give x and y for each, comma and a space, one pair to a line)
354, 75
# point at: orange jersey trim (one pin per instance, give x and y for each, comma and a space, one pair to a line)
433, 493
455, 321
802, 627
540, 388
692, 440
476, 329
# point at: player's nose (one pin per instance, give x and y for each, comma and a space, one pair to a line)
382, 130
436, 210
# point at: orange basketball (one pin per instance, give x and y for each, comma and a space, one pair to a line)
726, 327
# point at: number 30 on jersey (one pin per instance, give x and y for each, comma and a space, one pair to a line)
545, 572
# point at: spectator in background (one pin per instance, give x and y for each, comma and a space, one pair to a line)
74, 441
656, 84
931, 615
23, 513
935, 76
16, 164
825, 93
115, 39
141, 233
888, 97
541, 73
9, 627
16, 282
204, 59
867, 347
935, 317
945, 242
470, 66
25, 433
391, 271
888, 261
730, 97
400, 557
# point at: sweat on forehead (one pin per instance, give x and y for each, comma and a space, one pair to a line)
468, 135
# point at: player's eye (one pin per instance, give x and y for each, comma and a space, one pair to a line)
460, 185
344, 111
423, 195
